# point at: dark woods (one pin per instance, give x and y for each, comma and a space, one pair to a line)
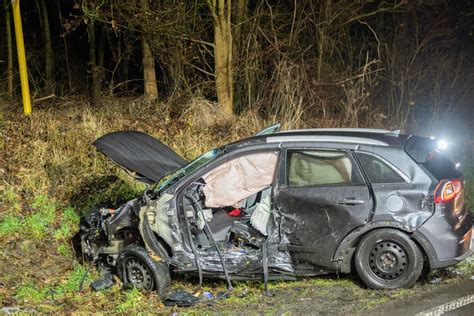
404, 64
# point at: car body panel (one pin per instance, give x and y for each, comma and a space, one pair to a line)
448, 233
412, 195
141, 154
313, 223
300, 208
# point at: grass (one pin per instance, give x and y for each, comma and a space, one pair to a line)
132, 301
64, 250
9, 198
42, 217
69, 223
39, 223
29, 293
73, 281
10, 225
465, 267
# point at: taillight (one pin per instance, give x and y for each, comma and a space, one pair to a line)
446, 190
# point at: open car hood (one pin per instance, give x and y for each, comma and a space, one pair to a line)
141, 155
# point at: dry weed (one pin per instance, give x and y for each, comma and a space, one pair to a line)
200, 113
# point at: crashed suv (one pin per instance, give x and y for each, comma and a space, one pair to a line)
283, 205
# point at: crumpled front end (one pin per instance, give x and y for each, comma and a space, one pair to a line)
104, 232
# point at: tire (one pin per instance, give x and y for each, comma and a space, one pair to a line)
388, 259
138, 269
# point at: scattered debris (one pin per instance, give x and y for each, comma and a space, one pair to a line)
106, 281
181, 298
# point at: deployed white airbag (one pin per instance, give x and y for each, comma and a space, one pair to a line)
261, 215
237, 179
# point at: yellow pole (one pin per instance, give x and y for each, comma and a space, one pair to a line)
20, 44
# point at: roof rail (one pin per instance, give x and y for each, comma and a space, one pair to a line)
359, 130
395, 132
324, 139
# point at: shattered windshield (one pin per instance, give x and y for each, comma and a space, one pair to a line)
189, 168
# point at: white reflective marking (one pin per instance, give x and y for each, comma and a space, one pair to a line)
327, 139
449, 306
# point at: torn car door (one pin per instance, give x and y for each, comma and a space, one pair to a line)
139, 153
321, 196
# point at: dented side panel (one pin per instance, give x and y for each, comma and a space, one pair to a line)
315, 219
405, 206
407, 203
313, 223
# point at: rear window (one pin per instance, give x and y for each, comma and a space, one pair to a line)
378, 171
424, 151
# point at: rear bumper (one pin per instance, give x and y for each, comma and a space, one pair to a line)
445, 243
450, 262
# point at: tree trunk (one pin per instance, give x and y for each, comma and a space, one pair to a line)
48, 50
101, 48
239, 15
9, 51
66, 50
149, 75
95, 88
325, 14
101, 57
126, 63
221, 14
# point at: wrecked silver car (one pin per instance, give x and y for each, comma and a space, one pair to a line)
283, 205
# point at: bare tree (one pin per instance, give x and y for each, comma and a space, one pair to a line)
9, 50
66, 49
48, 49
95, 88
149, 75
221, 16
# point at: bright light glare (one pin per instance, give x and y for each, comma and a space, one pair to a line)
442, 145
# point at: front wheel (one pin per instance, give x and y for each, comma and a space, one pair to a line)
137, 268
388, 259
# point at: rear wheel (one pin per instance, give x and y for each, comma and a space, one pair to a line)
137, 268
388, 259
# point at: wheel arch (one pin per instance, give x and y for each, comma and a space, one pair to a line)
159, 271
344, 254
